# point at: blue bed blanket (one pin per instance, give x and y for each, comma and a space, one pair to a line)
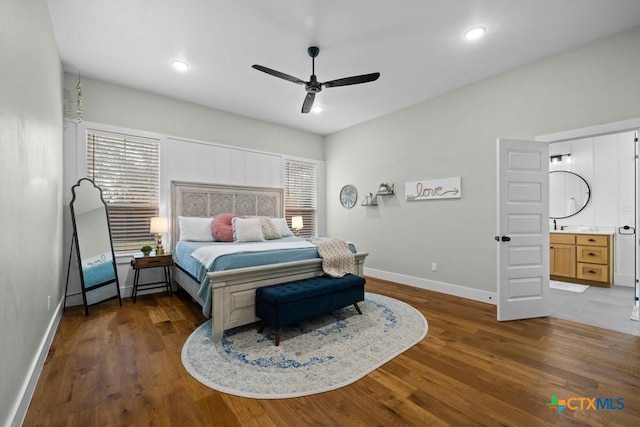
182, 257
98, 273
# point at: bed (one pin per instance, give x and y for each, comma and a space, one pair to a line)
226, 290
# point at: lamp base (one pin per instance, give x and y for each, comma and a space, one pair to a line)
159, 248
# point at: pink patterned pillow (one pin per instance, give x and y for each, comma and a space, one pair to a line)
221, 227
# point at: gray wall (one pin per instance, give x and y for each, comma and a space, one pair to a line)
455, 135
131, 108
31, 195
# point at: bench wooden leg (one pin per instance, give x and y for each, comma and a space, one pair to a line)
278, 330
355, 304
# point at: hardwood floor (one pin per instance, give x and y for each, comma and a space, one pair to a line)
121, 366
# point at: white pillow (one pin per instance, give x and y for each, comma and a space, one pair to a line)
195, 229
269, 229
247, 230
282, 227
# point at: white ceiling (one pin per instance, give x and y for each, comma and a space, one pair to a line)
416, 45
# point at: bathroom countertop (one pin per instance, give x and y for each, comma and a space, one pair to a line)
603, 230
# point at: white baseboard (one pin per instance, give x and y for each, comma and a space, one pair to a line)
431, 285
628, 280
125, 292
29, 386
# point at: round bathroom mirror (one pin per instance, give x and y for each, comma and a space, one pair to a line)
569, 193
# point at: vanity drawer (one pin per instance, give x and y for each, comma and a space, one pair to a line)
592, 239
593, 254
562, 238
595, 272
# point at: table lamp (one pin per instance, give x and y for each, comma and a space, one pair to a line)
296, 224
158, 226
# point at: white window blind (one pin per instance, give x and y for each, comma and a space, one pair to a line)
300, 195
127, 169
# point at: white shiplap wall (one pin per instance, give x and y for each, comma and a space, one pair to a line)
204, 162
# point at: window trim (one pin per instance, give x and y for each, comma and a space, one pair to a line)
83, 129
320, 189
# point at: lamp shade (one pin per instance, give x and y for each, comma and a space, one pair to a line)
159, 224
296, 222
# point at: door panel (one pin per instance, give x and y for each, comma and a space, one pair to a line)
523, 229
525, 288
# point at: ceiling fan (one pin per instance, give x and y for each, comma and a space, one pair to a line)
313, 86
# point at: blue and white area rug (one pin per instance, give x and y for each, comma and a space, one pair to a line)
319, 355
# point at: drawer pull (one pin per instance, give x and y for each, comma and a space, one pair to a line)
592, 272
592, 254
592, 240
153, 261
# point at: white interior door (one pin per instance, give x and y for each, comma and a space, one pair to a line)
523, 229
635, 313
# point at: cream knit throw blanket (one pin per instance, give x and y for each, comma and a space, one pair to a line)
337, 259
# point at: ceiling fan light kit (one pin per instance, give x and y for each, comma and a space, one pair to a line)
313, 86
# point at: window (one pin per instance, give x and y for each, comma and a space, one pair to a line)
127, 169
300, 195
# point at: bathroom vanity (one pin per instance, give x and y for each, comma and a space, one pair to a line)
582, 257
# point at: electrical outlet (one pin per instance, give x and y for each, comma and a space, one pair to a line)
49, 303
434, 266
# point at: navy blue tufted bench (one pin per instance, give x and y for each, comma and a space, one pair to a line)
293, 302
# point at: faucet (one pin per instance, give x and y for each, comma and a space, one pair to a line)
555, 226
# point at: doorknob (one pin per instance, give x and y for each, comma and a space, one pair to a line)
505, 238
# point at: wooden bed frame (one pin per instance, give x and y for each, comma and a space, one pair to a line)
233, 291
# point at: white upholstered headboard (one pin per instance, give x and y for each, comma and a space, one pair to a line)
209, 200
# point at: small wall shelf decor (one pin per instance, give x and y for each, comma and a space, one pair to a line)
370, 200
384, 189
443, 188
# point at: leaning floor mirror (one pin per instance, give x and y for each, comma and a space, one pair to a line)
92, 242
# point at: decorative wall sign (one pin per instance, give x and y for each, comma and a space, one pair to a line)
443, 188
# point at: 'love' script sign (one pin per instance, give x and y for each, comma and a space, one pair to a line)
444, 188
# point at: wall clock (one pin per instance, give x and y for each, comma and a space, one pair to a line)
348, 196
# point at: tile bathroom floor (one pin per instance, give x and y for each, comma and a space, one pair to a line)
608, 308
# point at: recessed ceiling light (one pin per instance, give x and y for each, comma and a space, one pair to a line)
180, 65
475, 33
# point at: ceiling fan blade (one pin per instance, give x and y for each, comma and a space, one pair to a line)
308, 102
364, 78
278, 74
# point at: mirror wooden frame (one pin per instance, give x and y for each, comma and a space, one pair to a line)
98, 268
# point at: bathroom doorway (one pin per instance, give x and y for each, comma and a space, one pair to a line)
605, 156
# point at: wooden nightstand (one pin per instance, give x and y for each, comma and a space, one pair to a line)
140, 262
